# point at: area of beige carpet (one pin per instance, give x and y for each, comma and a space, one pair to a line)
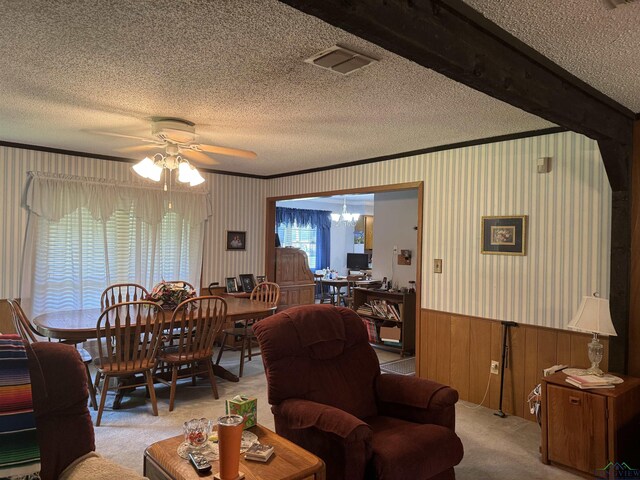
495, 448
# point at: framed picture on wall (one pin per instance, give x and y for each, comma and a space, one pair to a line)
247, 282
232, 284
236, 240
504, 235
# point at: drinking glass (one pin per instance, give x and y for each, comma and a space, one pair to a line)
196, 432
229, 438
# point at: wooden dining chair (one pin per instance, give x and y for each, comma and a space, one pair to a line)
352, 281
268, 292
28, 332
122, 292
195, 325
129, 334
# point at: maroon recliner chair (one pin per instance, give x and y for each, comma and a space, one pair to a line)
59, 388
329, 397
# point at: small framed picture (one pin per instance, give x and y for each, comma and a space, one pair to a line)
504, 235
232, 284
261, 279
236, 240
247, 282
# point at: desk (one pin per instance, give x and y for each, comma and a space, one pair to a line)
80, 325
161, 462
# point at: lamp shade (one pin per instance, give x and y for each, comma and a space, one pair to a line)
593, 316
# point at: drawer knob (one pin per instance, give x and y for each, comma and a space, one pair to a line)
574, 400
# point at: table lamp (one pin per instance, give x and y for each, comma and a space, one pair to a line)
593, 316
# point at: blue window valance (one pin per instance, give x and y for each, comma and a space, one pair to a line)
319, 219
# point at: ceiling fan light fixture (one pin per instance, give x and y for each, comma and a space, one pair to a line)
153, 168
184, 172
147, 168
196, 178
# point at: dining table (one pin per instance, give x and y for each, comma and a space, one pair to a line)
76, 326
336, 285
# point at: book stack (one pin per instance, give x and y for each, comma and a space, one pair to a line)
382, 309
589, 381
259, 452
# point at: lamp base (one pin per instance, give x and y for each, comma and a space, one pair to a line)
595, 352
594, 371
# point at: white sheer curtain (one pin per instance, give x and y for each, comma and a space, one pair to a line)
84, 234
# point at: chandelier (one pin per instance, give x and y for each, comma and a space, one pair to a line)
153, 167
345, 218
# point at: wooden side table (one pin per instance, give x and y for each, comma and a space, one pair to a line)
161, 461
588, 429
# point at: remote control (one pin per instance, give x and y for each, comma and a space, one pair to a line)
199, 463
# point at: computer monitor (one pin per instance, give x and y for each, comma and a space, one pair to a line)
357, 261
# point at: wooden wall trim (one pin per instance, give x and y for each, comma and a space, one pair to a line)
457, 350
634, 289
270, 219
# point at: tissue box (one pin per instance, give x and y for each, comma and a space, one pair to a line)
244, 406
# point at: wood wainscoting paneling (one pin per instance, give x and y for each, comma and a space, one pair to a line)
457, 350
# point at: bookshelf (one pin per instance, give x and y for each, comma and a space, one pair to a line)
390, 318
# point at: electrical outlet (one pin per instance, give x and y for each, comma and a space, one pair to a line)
494, 367
395, 249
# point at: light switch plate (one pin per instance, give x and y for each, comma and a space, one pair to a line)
437, 265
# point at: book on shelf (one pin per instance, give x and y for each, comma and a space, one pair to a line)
259, 452
394, 312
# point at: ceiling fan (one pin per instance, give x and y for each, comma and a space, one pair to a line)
177, 137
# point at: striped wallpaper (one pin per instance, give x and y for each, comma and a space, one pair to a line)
237, 204
569, 213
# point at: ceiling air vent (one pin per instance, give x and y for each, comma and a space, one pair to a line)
340, 60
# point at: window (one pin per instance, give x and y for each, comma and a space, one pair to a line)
85, 234
77, 257
303, 238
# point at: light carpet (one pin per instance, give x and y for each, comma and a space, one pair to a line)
495, 448
403, 366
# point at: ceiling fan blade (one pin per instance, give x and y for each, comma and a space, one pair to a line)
233, 152
199, 157
113, 134
140, 148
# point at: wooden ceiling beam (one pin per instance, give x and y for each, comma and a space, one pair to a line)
450, 38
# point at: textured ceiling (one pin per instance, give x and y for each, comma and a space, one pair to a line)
236, 69
599, 45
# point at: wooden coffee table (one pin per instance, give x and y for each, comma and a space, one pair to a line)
289, 461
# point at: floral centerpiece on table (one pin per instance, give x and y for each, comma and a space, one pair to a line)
170, 295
